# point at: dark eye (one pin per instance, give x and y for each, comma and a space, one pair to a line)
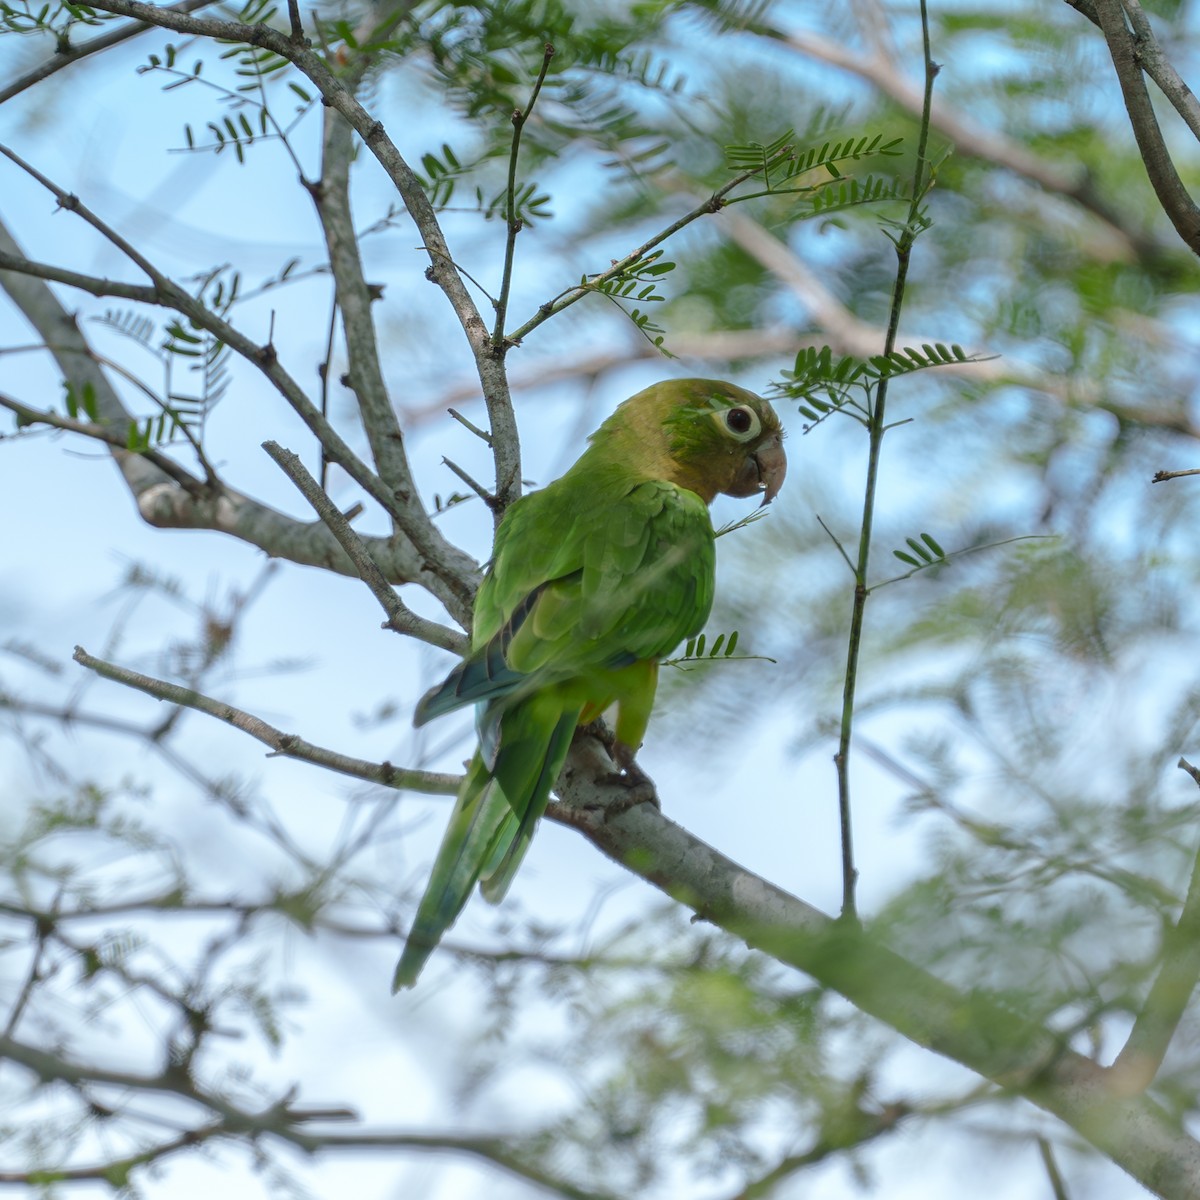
739, 420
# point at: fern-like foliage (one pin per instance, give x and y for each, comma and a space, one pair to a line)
908, 360
779, 164
179, 346
248, 117
721, 649
926, 550
637, 281
53, 19
733, 16
825, 383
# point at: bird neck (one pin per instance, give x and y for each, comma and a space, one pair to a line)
640, 449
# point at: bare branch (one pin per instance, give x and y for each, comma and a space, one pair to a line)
441, 270
354, 300
66, 56
514, 225
84, 283
285, 744
281, 1119
1152, 59
445, 570
161, 501
1175, 199
400, 617
110, 437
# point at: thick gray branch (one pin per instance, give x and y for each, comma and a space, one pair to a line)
365, 376
161, 500
970, 1028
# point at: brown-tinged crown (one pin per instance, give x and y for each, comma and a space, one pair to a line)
701, 434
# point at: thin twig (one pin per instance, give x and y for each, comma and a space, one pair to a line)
573, 295
401, 618
834, 539
91, 284
877, 426
1057, 1184
519, 118
1163, 476
479, 433
284, 744
101, 432
473, 484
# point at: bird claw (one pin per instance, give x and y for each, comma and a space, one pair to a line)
638, 785
600, 731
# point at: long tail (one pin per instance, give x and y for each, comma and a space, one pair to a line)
494, 818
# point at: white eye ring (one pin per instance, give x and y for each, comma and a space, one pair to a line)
740, 422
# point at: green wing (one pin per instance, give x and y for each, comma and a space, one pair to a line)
623, 579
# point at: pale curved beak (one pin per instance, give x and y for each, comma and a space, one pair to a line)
772, 467
763, 471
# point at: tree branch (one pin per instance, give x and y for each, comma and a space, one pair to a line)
109, 436
1176, 202
287, 745
400, 617
442, 271
1152, 59
279, 1120
970, 1028
161, 501
443, 569
364, 376
67, 55
514, 225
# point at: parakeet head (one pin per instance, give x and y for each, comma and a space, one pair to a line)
702, 434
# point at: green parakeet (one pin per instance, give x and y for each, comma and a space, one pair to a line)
593, 581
